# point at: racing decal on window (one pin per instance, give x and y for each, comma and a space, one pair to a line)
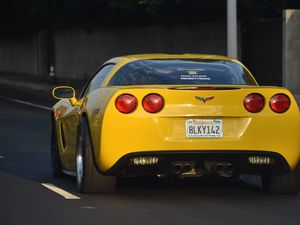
194, 74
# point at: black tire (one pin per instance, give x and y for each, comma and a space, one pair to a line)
288, 184
89, 179
56, 166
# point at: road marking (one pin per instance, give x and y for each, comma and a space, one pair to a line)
26, 103
2, 157
88, 207
60, 191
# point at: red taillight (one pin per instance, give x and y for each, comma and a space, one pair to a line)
254, 103
153, 103
126, 103
280, 103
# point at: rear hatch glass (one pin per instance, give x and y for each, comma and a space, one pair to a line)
181, 71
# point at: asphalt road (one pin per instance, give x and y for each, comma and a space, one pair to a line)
24, 165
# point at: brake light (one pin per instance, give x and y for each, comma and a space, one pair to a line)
280, 103
254, 103
126, 103
153, 103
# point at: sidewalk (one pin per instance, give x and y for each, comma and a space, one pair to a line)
31, 89
25, 83
35, 84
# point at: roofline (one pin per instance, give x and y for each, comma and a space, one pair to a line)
130, 58
174, 56
123, 60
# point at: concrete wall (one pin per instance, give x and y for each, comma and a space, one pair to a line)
291, 51
79, 53
19, 53
262, 51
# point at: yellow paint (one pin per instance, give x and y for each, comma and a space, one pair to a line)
73, 100
165, 131
115, 134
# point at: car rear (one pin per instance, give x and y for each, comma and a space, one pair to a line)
197, 117
186, 130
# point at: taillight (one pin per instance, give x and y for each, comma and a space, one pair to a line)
126, 103
153, 103
280, 103
254, 103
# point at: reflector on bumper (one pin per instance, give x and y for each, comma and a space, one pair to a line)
143, 161
260, 160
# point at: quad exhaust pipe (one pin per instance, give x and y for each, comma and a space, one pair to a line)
177, 168
180, 168
224, 169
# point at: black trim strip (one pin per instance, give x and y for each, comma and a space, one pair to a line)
237, 156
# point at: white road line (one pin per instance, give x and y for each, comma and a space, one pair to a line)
26, 103
60, 191
88, 207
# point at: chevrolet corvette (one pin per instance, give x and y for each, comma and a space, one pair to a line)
184, 115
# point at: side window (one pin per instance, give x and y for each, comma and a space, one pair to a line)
99, 78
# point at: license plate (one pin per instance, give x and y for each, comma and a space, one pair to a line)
196, 128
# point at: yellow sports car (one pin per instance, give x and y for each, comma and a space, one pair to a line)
183, 115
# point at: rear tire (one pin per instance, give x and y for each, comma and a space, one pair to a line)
283, 184
89, 179
56, 166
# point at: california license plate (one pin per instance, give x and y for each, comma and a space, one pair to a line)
196, 128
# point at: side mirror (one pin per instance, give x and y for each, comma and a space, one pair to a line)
63, 92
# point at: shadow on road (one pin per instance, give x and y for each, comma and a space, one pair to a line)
35, 166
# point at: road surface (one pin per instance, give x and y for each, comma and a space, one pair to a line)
25, 166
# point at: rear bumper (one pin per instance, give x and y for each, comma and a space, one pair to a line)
239, 160
165, 132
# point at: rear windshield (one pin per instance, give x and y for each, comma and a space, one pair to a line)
181, 71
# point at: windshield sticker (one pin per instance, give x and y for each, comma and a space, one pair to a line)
194, 75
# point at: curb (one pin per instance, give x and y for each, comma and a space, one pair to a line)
37, 85
26, 85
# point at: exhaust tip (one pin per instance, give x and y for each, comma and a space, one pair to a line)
228, 168
177, 168
187, 168
224, 169
219, 167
